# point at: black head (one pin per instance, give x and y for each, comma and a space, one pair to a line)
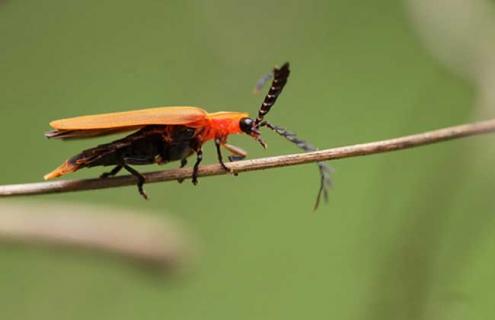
249, 126
246, 125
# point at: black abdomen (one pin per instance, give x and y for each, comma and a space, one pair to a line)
149, 145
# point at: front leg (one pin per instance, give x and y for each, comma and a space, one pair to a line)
218, 144
237, 153
199, 158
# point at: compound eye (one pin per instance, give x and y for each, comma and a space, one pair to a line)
246, 125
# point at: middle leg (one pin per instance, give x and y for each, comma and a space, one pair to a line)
183, 163
199, 158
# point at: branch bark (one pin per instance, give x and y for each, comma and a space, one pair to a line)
405, 142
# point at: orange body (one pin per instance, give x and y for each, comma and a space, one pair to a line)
220, 125
208, 126
217, 124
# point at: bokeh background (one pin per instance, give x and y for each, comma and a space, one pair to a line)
406, 235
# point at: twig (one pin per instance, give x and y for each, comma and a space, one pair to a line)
405, 142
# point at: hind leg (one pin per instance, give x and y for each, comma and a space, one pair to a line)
111, 173
140, 180
138, 160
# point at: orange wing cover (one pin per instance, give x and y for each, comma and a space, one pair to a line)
133, 119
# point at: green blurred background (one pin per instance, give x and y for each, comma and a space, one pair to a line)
406, 235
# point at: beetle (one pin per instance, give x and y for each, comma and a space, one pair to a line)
164, 134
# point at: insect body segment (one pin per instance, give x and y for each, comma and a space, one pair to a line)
166, 134
151, 144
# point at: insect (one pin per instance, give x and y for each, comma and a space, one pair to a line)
164, 134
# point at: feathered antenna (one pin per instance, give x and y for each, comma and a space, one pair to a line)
280, 76
262, 81
325, 170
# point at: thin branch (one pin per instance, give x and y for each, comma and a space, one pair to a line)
370, 148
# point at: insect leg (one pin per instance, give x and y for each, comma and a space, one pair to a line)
219, 155
237, 153
183, 163
140, 180
199, 158
113, 172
